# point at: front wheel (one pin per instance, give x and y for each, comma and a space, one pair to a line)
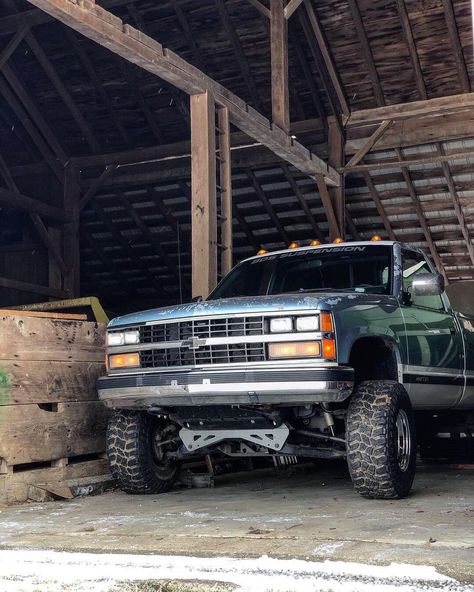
381, 440
138, 447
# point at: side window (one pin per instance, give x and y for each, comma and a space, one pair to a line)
413, 264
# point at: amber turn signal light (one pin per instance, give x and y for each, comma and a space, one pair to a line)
325, 322
329, 349
294, 349
124, 360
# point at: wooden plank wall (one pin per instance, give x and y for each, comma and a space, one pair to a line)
52, 427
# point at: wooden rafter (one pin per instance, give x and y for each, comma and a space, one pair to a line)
327, 57
367, 52
420, 214
99, 87
267, 206
242, 61
291, 7
334, 230
183, 21
369, 144
260, 7
374, 194
457, 206
106, 29
38, 223
35, 114
453, 32
13, 44
96, 185
32, 288
410, 41
13, 199
30, 128
414, 110
302, 201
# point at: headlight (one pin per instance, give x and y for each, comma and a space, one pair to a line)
116, 338
282, 325
123, 338
131, 337
307, 323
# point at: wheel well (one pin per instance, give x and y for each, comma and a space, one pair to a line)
373, 358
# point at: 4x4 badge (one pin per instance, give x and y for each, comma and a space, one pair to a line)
193, 342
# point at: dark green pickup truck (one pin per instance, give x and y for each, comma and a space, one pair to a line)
344, 350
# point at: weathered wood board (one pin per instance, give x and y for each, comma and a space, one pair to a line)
29, 434
50, 418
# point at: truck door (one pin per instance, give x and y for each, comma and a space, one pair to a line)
434, 373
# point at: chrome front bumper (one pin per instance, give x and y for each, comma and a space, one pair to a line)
280, 386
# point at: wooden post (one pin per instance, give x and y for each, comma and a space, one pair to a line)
279, 56
203, 190
70, 233
225, 180
336, 159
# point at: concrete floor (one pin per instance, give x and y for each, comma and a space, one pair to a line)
305, 512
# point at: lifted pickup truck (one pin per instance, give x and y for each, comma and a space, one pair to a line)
327, 351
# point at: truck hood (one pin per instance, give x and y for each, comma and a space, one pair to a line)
253, 304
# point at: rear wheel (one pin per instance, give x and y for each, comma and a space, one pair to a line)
138, 447
381, 440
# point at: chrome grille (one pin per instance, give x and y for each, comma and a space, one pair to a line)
203, 328
208, 354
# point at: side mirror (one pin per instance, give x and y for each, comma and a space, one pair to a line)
197, 299
428, 284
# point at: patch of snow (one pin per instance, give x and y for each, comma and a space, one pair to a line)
49, 571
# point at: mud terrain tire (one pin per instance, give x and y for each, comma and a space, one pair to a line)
380, 438
130, 450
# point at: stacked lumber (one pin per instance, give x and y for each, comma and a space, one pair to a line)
52, 426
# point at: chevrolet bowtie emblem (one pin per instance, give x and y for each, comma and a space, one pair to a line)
193, 342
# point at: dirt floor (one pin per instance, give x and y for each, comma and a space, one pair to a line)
303, 512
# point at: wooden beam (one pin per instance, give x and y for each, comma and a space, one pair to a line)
96, 185
13, 199
453, 32
31, 129
302, 201
378, 204
420, 215
34, 112
410, 40
13, 44
279, 65
291, 7
242, 61
32, 288
70, 232
225, 182
415, 109
203, 187
35, 219
390, 164
369, 144
268, 207
260, 7
108, 30
327, 57
334, 230
336, 159
457, 206
366, 51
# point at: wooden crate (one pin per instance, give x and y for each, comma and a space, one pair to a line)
52, 426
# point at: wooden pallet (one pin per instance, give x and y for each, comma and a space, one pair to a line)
52, 426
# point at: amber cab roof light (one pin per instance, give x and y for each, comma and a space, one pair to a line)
293, 245
262, 252
314, 243
376, 238
338, 240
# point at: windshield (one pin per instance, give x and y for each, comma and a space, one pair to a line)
358, 268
